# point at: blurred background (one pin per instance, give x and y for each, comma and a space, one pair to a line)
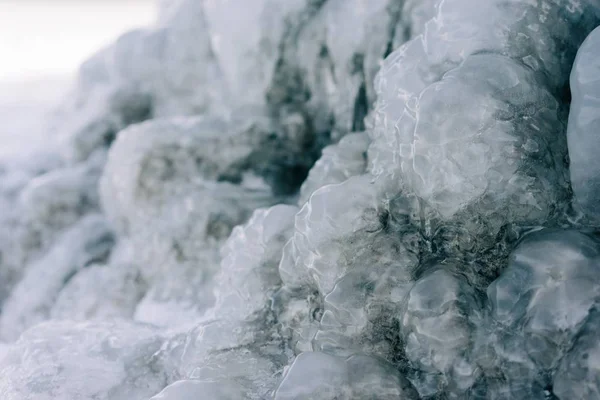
42, 44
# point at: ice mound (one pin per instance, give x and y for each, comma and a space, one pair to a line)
60, 360
240, 210
321, 376
584, 120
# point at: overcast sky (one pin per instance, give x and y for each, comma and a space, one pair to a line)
42, 44
52, 37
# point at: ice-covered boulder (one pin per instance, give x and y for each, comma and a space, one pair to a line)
338, 163
539, 305
100, 292
584, 125
62, 360
238, 339
319, 376
443, 134
88, 242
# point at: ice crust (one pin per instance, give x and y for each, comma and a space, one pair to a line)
314, 199
584, 120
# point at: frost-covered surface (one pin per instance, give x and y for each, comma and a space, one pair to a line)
240, 210
584, 122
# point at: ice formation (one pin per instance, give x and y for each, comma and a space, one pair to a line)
315, 199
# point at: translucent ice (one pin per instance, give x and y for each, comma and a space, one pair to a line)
358, 255
379, 286
323, 377
577, 377
105, 361
584, 122
237, 339
251, 255
440, 317
87, 242
194, 390
100, 292
541, 301
338, 162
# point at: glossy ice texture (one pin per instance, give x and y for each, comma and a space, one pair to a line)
315, 199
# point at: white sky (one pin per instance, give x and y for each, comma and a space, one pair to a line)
52, 37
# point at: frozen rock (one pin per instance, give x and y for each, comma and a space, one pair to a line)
248, 51
238, 339
577, 376
501, 162
87, 242
331, 53
415, 15
357, 254
443, 134
105, 361
166, 70
438, 326
52, 202
100, 292
319, 376
584, 122
180, 192
250, 258
338, 162
548, 288
539, 303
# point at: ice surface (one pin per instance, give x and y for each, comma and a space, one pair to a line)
541, 303
194, 390
584, 121
88, 242
62, 360
441, 314
100, 292
324, 377
338, 162
577, 375
284, 239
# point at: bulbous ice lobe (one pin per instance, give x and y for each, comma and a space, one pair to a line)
441, 314
584, 123
467, 117
540, 304
238, 339
578, 373
315, 375
355, 256
338, 162
178, 191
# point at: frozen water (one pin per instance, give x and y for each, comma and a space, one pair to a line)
224, 178
100, 292
584, 121
194, 390
577, 375
541, 303
441, 314
338, 162
88, 242
323, 377
61, 360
